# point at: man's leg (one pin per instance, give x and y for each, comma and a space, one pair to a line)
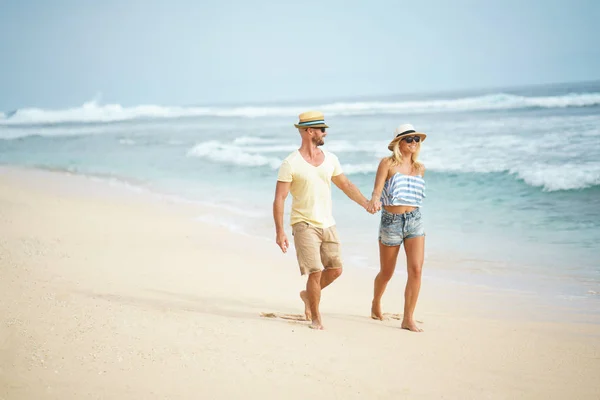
313, 295
329, 275
307, 240
330, 257
329, 252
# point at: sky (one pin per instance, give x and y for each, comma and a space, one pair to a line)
62, 53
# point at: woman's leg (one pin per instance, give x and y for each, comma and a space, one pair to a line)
415, 254
387, 264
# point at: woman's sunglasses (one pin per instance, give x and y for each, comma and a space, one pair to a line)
409, 139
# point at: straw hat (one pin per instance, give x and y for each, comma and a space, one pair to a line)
403, 131
311, 119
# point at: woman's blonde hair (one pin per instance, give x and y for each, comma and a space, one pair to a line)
396, 157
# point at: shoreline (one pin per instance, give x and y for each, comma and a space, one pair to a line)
440, 272
492, 276
104, 293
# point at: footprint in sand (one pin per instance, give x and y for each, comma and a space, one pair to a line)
292, 317
388, 316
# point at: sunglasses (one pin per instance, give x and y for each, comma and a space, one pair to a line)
322, 129
409, 139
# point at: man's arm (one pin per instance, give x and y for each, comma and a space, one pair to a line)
281, 192
342, 182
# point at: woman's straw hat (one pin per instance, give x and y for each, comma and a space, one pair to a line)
403, 131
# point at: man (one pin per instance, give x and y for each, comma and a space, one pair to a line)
307, 173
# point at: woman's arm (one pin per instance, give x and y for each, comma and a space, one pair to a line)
380, 178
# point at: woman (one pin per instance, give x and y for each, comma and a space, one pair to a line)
400, 189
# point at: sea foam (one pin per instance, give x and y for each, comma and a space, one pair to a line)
93, 112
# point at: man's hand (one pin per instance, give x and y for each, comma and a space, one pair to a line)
282, 241
373, 206
281, 192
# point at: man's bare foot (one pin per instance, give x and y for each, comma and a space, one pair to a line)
304, 298
411, 326
316, 324
376, 311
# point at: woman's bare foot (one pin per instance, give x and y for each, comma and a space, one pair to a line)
376, 311
411, 326
316, 324
304, 298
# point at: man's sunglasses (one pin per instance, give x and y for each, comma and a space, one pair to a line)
322, 129
409, 139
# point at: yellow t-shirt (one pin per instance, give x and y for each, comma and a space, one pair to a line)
310, 188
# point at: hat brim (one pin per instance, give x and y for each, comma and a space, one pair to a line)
311, 126
398, 138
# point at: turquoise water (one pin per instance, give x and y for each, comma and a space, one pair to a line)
513, 180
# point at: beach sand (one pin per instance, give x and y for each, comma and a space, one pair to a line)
107, 293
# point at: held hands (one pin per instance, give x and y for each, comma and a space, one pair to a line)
282, 241
373, 205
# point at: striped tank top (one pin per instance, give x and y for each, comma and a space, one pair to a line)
403, 190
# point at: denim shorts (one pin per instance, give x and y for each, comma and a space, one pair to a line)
394, 228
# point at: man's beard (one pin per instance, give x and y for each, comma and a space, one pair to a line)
318, 142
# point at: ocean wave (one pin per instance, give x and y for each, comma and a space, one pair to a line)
237, 153
552, 178
356, 169
93, 112
253, 140
231, 154
547, 177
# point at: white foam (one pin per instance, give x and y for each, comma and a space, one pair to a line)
231, 154
567, 176
252, 140
480, 154
287, 148
275, 146
94, 112
465, 146
236, 153
345, 146
351, 169
138, 128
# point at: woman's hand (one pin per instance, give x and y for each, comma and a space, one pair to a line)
373, 205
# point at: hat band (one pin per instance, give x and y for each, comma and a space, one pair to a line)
405, 132
309, 123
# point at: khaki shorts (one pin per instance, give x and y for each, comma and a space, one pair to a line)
316, 248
